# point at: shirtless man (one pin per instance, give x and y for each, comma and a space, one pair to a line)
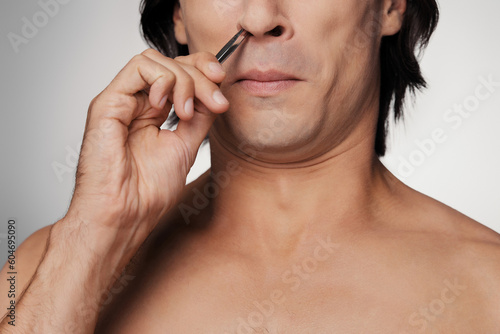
297, 227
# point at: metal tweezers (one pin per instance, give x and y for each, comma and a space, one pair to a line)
231, 46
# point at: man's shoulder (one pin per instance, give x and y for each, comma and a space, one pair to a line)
479, 249
478, 260
473, 235
423, 213
471, 249
456, 251
475, 240
442, 230
32, 248
27, 257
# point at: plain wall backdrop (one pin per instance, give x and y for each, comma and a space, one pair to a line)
48, 81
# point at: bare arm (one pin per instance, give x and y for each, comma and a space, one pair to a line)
26, 258
130, 173
63, 295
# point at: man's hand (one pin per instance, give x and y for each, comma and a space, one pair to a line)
129, 174
129, 170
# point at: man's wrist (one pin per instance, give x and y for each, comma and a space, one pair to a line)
94, 240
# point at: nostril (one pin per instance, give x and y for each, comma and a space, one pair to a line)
276, 32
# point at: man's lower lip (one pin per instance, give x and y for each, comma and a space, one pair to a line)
266, 87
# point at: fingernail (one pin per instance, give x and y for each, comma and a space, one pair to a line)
215, 68
163, 101
219, 98
189, 107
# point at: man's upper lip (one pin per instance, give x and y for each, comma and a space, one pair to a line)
265, 76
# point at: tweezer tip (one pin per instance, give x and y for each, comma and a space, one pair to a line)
229, 48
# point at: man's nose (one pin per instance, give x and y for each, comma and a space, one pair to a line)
264, 19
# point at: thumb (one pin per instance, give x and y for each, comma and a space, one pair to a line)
192, 132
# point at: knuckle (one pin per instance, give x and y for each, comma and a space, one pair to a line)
185, 85
110, 102
149, 52
97, 102
121, 102
165, 80
181, 58
189, 81
188, 69
169, 76
203, 58
137, 59
93, 102
205, 55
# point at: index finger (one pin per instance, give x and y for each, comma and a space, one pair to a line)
205, 62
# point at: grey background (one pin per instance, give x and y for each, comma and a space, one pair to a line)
47, 85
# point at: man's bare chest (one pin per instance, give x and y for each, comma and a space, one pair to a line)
220, 301
329, 288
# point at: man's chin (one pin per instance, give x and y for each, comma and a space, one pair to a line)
274, 135
271, 149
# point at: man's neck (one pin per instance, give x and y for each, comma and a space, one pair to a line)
278, 208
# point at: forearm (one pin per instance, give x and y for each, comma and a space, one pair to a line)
65, 293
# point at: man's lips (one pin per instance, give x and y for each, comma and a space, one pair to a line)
266, 83
265, 76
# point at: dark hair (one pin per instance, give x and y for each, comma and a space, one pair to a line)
400, 70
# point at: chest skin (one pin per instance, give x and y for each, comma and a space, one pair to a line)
332, 287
